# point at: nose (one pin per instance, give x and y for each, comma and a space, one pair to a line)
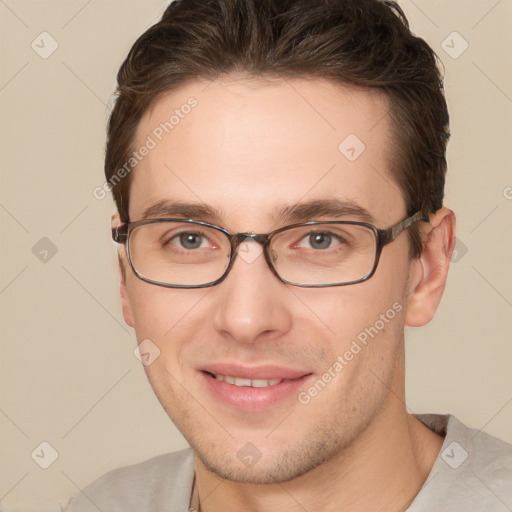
252, 303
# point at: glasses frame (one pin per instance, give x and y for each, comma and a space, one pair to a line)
121, 234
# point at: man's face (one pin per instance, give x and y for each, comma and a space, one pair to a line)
249, 150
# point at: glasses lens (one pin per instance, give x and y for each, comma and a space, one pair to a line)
179, 253
323, 254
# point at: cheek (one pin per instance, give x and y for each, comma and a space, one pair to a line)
157, 310
361, 327
342, 313
167, 320
368, 326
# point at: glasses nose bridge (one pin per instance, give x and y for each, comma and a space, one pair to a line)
262, 239
239, 238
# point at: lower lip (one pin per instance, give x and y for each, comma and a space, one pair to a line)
247, 398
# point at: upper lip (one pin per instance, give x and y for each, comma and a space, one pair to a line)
254, 372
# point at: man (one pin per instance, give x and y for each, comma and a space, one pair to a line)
278, 168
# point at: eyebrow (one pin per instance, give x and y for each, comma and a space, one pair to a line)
167, 208
332, 208
300, 212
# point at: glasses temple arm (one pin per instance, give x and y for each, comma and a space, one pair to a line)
391, 233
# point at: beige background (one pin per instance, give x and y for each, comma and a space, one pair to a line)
68, 373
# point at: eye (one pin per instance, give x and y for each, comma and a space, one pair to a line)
320, 240
189, 240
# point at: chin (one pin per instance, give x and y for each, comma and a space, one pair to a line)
263, 468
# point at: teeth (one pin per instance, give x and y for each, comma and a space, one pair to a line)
255, 383
242, 382
262, 383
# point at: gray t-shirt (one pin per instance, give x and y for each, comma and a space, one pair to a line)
473, 472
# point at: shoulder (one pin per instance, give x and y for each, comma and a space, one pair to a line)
473, 469
164, 482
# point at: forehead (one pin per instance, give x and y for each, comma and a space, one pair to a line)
249, 146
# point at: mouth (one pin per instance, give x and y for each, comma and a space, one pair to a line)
243, 382
253, 389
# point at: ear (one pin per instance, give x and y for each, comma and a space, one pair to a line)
434, 263
122, 266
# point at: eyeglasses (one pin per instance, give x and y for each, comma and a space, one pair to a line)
185, 253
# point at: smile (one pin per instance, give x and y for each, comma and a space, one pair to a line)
254, 389
252, 383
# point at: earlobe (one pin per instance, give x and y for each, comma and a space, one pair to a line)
435, 262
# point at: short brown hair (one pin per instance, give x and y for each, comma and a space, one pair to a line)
366, 43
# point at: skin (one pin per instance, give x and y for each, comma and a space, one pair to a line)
250, 148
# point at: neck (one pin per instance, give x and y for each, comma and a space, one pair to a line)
383, 469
